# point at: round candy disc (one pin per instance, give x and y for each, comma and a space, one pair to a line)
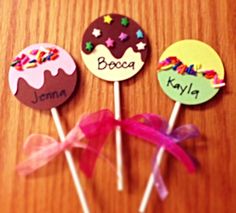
190, 72
114, 47
43, 76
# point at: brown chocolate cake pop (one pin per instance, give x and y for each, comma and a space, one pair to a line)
114, 47
43, 76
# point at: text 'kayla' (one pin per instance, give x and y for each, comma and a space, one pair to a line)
183, 90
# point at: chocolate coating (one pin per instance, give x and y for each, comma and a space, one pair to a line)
55, 91
113, 31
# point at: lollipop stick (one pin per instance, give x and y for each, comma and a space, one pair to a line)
159, 156
70, 161
118, 136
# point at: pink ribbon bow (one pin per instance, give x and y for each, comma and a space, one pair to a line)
149, 127
41, 149
95, 127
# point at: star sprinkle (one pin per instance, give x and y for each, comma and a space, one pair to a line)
96, 32
141, 46
123, 36
139, 34
109, 42
107, 19
124, 22
89, 46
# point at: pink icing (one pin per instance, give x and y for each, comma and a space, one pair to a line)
35, 76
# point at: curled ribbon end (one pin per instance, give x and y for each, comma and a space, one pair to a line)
23, 171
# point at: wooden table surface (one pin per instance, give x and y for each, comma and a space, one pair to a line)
50, 189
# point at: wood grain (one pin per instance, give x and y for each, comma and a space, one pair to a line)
50, 189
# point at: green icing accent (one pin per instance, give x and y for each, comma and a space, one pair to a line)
89, 46
124, 22
187, 89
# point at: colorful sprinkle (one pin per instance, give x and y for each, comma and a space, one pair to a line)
141, 46
174, 63
109, 42
35, 58
124, 22
139, 34
181, 69
166, 67
30, 65
54, 56
96, 32
107, 19
89, 46
197, 66
209, 74
34, 52
176, 66
49, 56
217, 80
32, 61
19, 68
123, 36
218, 85
15, 62
25, 60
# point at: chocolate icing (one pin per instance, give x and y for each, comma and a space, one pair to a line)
113, 31
55, 91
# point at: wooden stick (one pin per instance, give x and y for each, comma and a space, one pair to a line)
118, 136
70, 162
160, 154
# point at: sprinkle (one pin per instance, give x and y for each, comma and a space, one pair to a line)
107, 19
178, 64
209, 74
193, 73
23, 56
197, 66
181, 69
30, 65
49, 56
123, 36
218, 85
189, 69
217, 80
164, 63
139, 34
124, 22
54, 50
167, 67
173, 59
14, 63
96, 32
89, 46
141, 46
32, 61
24, 60
53, 57
109, 42
40, 56
19, 68
34, 52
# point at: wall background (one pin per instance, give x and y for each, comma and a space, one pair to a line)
50, 189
